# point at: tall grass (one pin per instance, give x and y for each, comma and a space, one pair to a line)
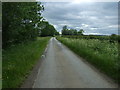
102, 54
18, 61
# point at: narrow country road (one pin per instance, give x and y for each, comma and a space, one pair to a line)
61, 68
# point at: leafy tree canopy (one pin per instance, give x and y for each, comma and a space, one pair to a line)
19, 21
66, 31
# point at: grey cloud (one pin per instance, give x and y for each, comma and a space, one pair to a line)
93, 17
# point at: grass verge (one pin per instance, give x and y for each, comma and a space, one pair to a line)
102, 54
19, 60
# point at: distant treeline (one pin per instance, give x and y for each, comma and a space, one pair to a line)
73, 33
46, 29
22, 21
66, 31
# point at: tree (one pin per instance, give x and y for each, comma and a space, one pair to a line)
65, 30
46, 29
57, 33
19, 21
80, 32
71, 31
114, 38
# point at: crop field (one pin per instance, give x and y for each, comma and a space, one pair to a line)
101, 53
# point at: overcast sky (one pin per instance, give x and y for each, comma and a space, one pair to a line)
99, 18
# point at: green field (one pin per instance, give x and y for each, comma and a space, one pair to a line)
18, 60
101, 53
111, 38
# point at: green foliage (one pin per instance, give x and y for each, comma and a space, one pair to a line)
66, 31
19, 21
114, 37
46, 29
102, 54
57, 33
80, 32
18, 60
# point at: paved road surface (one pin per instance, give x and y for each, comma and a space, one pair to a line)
61, 68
